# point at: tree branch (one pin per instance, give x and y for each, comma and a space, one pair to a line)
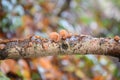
64, 7
75, 44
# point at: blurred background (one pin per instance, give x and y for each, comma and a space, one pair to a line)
99, 18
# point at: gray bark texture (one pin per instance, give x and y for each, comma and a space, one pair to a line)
74, 45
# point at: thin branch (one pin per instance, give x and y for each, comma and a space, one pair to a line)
36, 46
64, 7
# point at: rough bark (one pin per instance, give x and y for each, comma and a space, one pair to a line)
76, 44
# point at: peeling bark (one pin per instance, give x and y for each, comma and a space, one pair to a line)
76, 44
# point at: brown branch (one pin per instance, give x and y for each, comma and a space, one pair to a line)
35, 46
64, 7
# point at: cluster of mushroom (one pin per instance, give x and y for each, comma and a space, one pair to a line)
56, 37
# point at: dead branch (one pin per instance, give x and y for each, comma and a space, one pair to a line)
36, 46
